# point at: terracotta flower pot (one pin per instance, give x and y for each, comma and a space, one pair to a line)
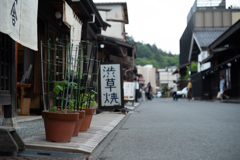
59, 127
79, 122
87, 119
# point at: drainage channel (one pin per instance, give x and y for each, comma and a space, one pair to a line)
51, 154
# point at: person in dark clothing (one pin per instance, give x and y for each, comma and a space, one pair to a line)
174, 89
149, 91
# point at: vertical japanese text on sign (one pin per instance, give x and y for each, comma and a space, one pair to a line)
110, 85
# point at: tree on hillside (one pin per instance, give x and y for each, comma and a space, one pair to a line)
150, 54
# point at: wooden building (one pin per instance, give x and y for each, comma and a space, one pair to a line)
225, 61
15, 58
205, 23
115, 47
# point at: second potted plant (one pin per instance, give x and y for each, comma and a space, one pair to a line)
89, 106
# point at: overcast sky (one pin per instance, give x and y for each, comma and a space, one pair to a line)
159, 21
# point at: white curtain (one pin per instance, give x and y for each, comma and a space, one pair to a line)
28, 27
18, 19
10, 18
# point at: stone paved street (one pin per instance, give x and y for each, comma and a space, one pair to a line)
164, 129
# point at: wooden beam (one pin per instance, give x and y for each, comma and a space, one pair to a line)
16, 62
92, 33
82, 8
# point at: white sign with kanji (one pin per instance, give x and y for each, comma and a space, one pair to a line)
110, 85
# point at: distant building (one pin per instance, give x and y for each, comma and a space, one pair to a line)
148, 74
166, 77
113, 45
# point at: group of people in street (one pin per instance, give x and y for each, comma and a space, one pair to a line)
146, 92
175, 89
222, 88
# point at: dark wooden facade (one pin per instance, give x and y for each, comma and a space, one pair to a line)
225, 54
8, 78
49, 28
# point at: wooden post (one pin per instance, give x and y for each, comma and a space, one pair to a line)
10, 111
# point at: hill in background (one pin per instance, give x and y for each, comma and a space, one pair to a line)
150, 54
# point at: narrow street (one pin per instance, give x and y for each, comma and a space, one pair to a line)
165, 129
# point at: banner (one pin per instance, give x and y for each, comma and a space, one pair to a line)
18, 19
226, 73
68, 16
28, 27
10, 18
75, 36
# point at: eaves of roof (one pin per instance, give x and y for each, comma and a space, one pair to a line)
225, 35
205, 37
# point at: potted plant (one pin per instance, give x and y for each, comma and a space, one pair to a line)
89, 106
60, 124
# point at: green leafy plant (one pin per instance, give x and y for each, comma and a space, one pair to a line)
58, 87
164, 88
53, 109
88, 98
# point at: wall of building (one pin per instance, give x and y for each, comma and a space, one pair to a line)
235, 17
166, 78
117, 28
215, 18
203, 55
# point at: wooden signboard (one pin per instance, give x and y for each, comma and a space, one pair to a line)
111, 86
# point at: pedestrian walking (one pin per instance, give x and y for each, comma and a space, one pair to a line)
189, 88
174, 89
222, 88
149, 91
136, 89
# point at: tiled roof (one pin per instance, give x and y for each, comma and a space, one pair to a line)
205, 37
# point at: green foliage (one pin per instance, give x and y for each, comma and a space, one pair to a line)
71, 104
194, 67
164, 88
53, 109
86, 98
57, 87
150, 54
